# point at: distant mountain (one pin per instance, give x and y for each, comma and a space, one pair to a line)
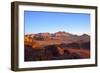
60, 37
60, 33
84, 38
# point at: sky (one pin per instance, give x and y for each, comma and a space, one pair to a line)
39, 22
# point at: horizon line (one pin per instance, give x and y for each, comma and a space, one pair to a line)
88, 33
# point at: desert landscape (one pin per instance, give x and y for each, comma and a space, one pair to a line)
56, 46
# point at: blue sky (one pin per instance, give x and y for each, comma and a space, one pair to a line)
37, 22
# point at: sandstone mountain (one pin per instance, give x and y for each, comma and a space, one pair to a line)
58, 38
56, 46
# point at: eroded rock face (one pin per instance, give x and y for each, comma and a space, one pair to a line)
45, 35
36, 45
52, 52
61, 50
32, 54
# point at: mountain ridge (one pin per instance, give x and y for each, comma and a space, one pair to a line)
58, 37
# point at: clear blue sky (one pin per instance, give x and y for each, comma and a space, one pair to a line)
37, 22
